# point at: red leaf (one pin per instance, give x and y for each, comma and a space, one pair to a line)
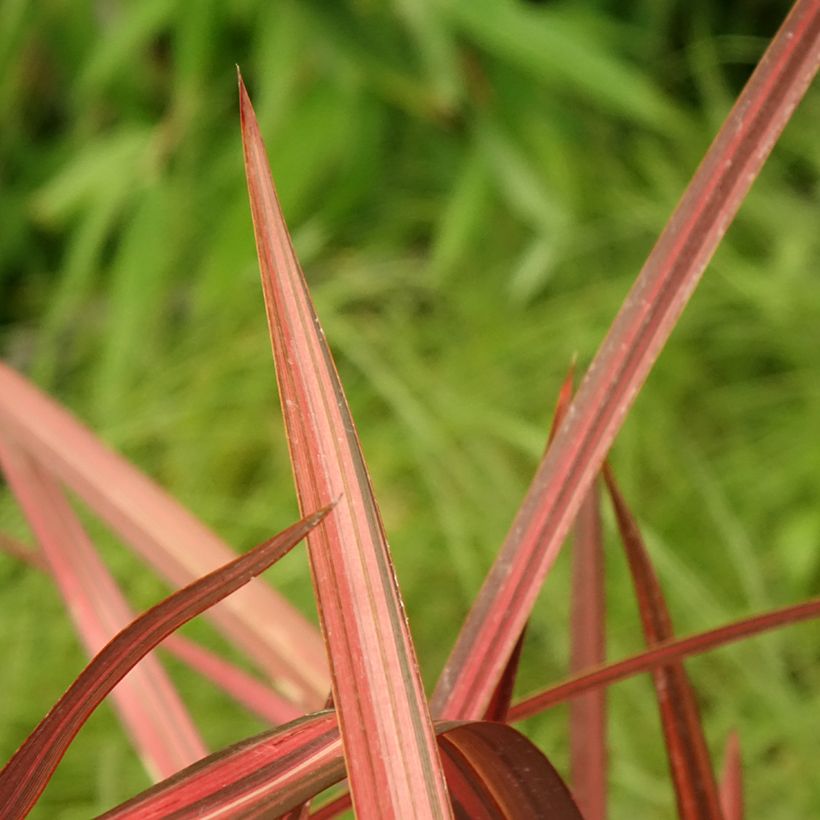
662, 654
695, 787
388, 737
587, 713
623, 362
147, 703
27, 773
270, 631
502, 697
731, 782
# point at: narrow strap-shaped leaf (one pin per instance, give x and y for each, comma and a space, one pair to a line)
662, 654
147, 703
502, 697
692, 773
272, 633
268, 775
731, 781
25, 776
587, 713
258, 698
392, 759
623, 362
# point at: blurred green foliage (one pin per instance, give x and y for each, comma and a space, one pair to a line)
472, 185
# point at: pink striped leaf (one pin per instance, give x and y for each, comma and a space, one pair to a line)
392, 759
664, 653
620, 367
492, 771
147, 703
692, 773
25, 776
587, 713
271, 632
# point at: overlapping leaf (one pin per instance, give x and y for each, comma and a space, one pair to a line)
147, 702
248, 691
492, 770
25, 776
165, 534
695, 787
663, 654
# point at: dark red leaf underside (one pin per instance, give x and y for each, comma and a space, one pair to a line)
494, 772
623, 362
731, 781
389, 744
587, 713
27, 773
662, 654
692, 773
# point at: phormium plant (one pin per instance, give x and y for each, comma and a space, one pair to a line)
401, 756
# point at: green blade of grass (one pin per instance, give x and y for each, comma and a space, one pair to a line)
165, 534
692, 773
24, 777
663, 653
389, 745
620, 367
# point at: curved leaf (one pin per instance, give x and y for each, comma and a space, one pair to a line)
147, 703
25, 776
695, 787
662, 654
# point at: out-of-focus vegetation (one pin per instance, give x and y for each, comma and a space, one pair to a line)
472, 186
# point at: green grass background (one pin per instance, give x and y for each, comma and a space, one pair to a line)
472, 186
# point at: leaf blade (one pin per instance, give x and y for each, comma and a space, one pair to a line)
691, 767
388, 736
663, 653
147, 703
634, 341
